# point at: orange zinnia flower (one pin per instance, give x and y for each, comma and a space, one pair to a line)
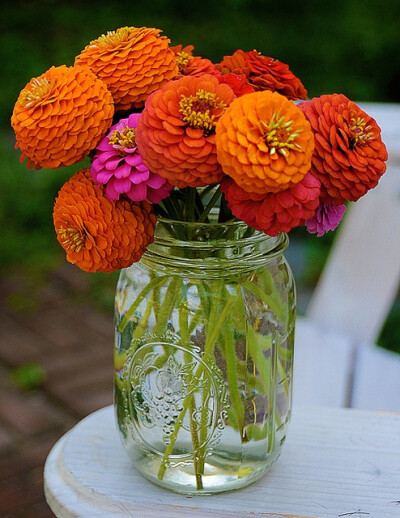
133, 62
264, 142
264, 73
349, 156
60, 116
99, 235
190, 65
176, 132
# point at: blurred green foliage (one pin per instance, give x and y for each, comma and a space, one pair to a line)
351, 47
390, 335
28, 376
344, 46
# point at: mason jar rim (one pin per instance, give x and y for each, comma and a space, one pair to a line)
202, 242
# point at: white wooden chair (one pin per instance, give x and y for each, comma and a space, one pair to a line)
337, 362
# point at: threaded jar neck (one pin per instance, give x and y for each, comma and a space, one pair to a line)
232, 246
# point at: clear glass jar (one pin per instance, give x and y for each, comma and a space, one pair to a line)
204, 355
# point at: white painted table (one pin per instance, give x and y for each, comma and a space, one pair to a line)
335, 463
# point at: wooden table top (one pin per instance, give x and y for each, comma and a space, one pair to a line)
335, 463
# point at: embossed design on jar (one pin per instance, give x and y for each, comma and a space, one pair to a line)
172, 395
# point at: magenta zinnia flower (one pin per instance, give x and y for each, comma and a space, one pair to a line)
326, 217
118, 164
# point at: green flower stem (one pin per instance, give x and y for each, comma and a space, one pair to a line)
260, 360
206, 190
210, 324
271, 435
228, 349
195, 320
287, 354
203, 430
208, 351
215, 197
142, 325
212, 338
268, 300
172, 209
171, 294
199, 206
281, 369
228, 341
252, 380
278, 419
185, 337
158, 281
273, 295
155, 296
267, 369
160, 211
225, 213
190, 203
203, 299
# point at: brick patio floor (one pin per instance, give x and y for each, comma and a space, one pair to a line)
73, 344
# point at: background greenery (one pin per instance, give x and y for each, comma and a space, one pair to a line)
348, 46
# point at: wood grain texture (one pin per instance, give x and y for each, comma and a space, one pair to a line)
335, 461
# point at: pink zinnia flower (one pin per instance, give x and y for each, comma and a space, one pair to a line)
118, 164
326, 217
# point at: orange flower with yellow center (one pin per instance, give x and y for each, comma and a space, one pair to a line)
60, 116
264, 142
349, 156
182, 60
190, 65
176, 131
99, 235
201, 110
133, 62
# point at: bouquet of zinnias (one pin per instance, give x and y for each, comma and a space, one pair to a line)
205, 321
173, 134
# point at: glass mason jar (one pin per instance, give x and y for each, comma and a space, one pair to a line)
204, 355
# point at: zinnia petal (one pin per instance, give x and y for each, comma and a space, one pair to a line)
190, 65
118, 164
137, 192
349, 155
99, 235
264, 142
274, 212
133, 160
264, 73
139, 177
133, 62
327, 217
176, 132
60, 116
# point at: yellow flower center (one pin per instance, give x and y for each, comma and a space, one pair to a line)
182, 60
112, 38
39, 89
279, 134
201, 110
360, 133
124, 138
72, 238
